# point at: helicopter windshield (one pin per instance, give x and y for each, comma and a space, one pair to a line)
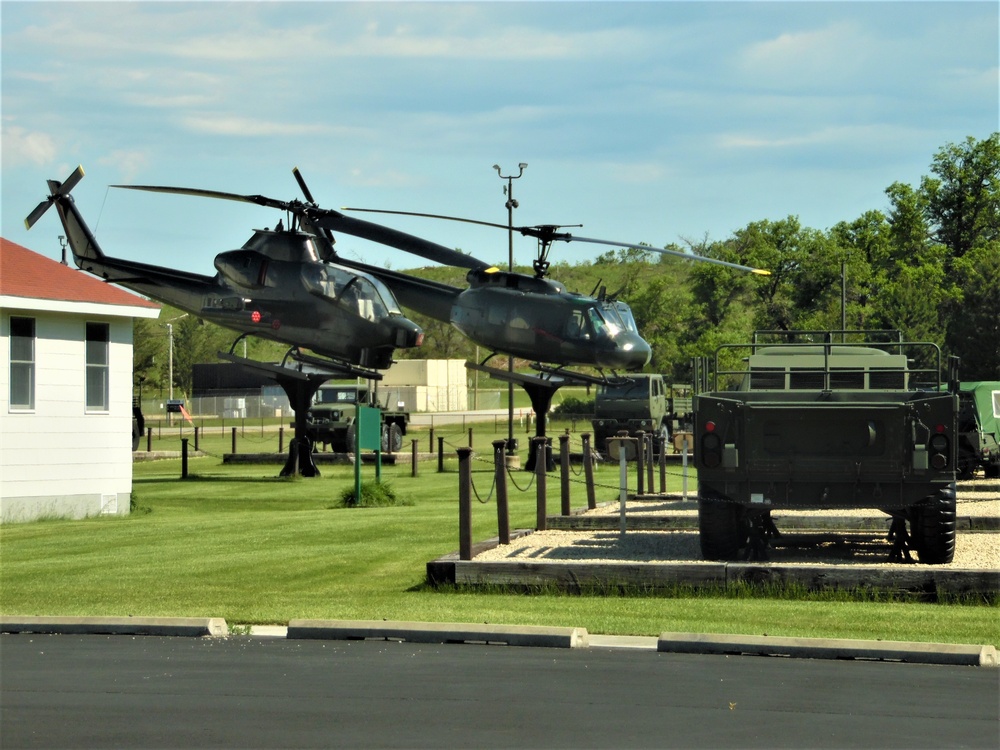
603, 327
623, 314
359, 293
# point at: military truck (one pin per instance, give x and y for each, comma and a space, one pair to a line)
640, 403
827, 420
332, 418
979, 429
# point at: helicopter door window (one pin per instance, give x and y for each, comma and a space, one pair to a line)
576, 327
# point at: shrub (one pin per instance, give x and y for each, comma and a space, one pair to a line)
373, 495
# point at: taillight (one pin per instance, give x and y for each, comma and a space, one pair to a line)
711, 447
939, 448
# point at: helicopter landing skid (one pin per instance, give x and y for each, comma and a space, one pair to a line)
300, 387
579, 377
336, 367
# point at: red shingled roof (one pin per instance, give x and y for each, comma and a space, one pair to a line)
25, 273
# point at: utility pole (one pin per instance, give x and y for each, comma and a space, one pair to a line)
511, 204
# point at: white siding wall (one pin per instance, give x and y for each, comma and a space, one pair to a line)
60, 460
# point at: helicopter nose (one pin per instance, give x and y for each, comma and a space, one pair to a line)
635, 353
408, 334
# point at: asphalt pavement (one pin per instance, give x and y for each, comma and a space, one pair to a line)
268, 691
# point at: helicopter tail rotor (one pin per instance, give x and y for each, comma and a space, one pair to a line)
56, 190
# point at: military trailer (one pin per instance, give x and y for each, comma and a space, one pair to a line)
332, 418
640, 403
827, 420
979, 429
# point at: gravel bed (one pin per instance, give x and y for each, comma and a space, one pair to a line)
978, 550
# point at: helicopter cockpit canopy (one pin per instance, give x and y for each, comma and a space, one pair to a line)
624, 313
362, 294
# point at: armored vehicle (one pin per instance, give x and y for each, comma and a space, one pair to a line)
332, 419
827, 420
979, 429
640, 403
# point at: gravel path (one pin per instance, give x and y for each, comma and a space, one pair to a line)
979, 550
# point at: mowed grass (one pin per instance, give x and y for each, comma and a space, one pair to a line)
240, 543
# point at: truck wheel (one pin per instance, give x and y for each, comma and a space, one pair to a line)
350, 439
932, 528
394, 438
722, 527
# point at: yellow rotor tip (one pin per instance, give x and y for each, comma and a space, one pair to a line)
761, 272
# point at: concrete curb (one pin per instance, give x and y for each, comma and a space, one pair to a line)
439, 632
167, 626
829, 648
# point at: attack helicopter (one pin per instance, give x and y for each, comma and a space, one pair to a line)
283, 284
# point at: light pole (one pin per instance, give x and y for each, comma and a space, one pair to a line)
511, 205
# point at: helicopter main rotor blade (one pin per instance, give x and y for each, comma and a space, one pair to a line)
337, 222
431, 216
260, 200
302, 185
679, 254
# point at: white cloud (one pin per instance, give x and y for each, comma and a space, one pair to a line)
247, 126
21, 146
129, 163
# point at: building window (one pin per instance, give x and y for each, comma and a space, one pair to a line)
22, 363
97, 366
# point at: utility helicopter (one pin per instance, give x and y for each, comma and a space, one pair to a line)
284, 284
531, 317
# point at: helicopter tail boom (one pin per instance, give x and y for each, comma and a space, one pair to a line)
78, 234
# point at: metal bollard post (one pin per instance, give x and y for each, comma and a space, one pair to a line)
234, 441
413, 459
684, 458
640, 487
647, 448
663, 467
184, 458
464, 503
540, 510
440, 455
196, 431
281, 439
500, 467
588, 471
470, 437
564, 474
149, 440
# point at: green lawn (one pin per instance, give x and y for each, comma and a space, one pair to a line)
239, 543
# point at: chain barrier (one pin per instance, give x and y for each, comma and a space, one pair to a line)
489, 497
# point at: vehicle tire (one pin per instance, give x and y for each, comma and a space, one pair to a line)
722, 527
932, 528
136, 435
350, 439
395, 438
991, 471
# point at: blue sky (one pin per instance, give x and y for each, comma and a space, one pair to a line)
652, 122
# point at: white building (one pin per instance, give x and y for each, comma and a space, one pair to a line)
419, 385
65, 389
